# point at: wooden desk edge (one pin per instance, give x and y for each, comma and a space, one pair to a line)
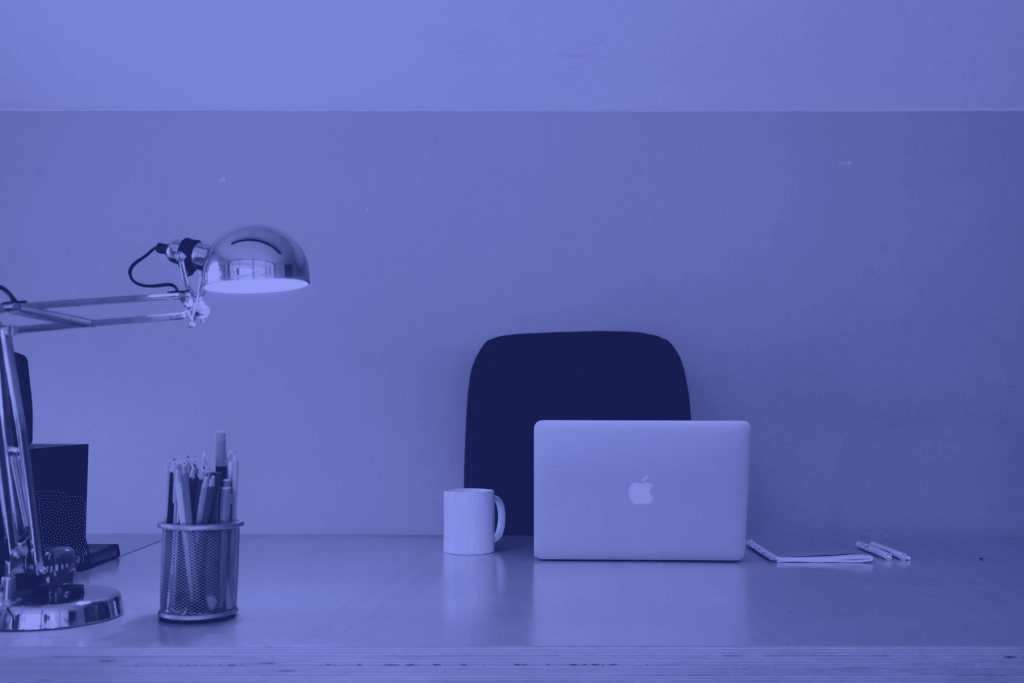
199, 664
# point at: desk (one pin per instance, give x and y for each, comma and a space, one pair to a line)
345, 605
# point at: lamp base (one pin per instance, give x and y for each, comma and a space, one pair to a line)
31, 610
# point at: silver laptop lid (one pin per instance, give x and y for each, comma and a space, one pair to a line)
640, 490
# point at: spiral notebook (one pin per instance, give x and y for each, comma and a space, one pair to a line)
839, 558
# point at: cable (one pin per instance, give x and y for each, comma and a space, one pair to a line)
14, 299
173, 287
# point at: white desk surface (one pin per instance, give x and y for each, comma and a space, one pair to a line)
332, 593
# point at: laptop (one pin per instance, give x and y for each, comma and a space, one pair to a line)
640, 490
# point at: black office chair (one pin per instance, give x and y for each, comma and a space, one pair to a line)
519, 379
21, 363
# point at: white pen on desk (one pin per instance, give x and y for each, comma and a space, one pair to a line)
895, 553
874, 551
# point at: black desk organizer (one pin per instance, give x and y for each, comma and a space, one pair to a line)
61, 474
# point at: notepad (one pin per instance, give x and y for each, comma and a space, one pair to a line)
844, 558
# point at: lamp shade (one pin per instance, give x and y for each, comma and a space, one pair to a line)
255, 260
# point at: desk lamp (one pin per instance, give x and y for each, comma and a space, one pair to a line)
247, 260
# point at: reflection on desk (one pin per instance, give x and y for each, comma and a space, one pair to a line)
640, 603
403, 591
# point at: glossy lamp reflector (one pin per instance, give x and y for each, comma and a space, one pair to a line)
255, 260
257, 286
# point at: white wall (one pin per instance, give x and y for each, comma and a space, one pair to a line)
865, 318
512, 55
738, 237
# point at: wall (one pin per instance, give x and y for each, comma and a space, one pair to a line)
512, 55
864, 317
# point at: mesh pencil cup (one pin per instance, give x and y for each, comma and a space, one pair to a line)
199, 572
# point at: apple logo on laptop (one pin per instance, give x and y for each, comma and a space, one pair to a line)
640, 492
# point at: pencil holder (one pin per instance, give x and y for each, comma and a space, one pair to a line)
199, 572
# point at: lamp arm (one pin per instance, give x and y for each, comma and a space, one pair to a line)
40, 310
97, 301
20, 514
17, 489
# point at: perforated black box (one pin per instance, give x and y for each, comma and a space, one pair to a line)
61, 476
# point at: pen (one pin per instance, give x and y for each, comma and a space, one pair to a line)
181, 494
216, 481
221, 461
209, 512
188, 515
193, 487
225, 502
185, 517
174, 566
233, 475
204, 493
874, 551
225, 539
209, 573
170, 492
895, 553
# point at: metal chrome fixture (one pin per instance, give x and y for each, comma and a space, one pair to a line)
247, 260
36, 588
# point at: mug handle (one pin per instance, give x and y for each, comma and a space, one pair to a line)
501, 519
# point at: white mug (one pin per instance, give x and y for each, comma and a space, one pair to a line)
469, 521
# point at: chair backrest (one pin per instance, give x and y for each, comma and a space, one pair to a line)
25, 387
519, 379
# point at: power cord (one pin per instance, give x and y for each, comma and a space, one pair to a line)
14, 299
162, 248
